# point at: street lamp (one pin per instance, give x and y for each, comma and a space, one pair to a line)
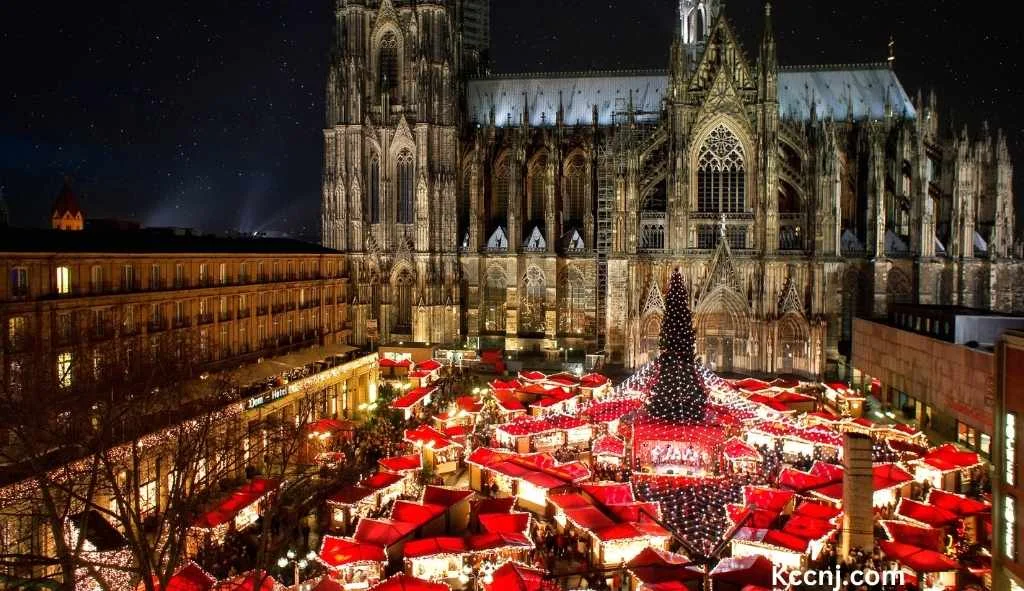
483, 575
297, 564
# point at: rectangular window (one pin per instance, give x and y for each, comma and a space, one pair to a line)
179, 312
96, 278
223, 307
19, 281
129, 318
1011, 448
127, 277
154, 277
204, 273
64, 378
16, 332
63, 280
1010, 524
222, 274
179, 275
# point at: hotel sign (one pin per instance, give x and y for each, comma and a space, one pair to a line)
266, 397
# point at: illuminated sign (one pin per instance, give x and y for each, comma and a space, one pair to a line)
266, 397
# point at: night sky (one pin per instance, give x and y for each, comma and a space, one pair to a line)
208, 114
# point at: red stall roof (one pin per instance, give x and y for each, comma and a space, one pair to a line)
922, 513
386, 362
930, 538
229, 508
610, 493
497, 523
767, 498
948, 458
786, 540
415, 514
446, 497
350, 495
401, 463
531, 426
593, 380
532, 376
404, 582
493, 541
958, 504
505, 384
382, 532
433, 546
335, 552
808, 528
590, 518
921, 560
760, 518
490, 505
190, 577
611, 410
817, 510
429, 365
737, 449
412, 397
429, 437
513, 576
751, 384
329, 426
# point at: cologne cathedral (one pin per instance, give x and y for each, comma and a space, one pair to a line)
547, 211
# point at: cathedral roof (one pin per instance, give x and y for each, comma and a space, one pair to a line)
67, 202
865, 89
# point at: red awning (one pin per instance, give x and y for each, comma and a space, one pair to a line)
620, 531
568, 501
434, 546
890, 475
760, 518
428, 437
589, 518
785, 540
329, 426
490, 505
918, 559
593, 380
808, 528
800, 481
767, 498
497, 523
350, 495
635, 512
386, 362
532, 376
817, 510
382, 532
403, 582
751, 384
505, 384
401, 463
611, 410
335, 552
429, 365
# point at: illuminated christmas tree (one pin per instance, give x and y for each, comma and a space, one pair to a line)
680, 394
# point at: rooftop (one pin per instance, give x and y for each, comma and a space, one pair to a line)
150, 240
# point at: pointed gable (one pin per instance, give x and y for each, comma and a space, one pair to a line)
724, 53
536, 241
791, 302
654, 302
721, 271
498, 240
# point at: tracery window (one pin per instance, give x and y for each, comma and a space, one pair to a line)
388, 80
576, 305
721, 174
501, 193
405, 187
403, 302
372, 204
494, 301
532, 312
575, 190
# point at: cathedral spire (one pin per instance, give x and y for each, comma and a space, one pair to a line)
769, 57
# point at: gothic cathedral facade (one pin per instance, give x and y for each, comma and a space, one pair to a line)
546, 211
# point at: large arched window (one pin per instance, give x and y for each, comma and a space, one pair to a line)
403, 302
372, 204
576, 305
388, 76
494, 301
538, 186
532, 312
405, 187
501, 192
575, 191
721, 178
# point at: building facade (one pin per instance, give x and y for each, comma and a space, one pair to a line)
540, 212
1007, 566
264, 320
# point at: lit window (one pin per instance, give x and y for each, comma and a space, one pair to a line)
64, 369
1010, 523
223, 274
19, 281
1011, 449
63, 280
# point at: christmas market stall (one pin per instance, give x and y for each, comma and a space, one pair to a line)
425, 373
389, 534
735, 574
525, 434
440, 454
403, 582
439, 559
946, 467
413, 401
529, 477
609, 412
235, 512
608, 450
843, 400
190, 577
972, 513
925, 568
659, 570
514, 576
354, 564
394, 368
359, 500
595, 386
742, 457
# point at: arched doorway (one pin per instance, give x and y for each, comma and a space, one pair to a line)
794, 339
650, 338
723, 330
